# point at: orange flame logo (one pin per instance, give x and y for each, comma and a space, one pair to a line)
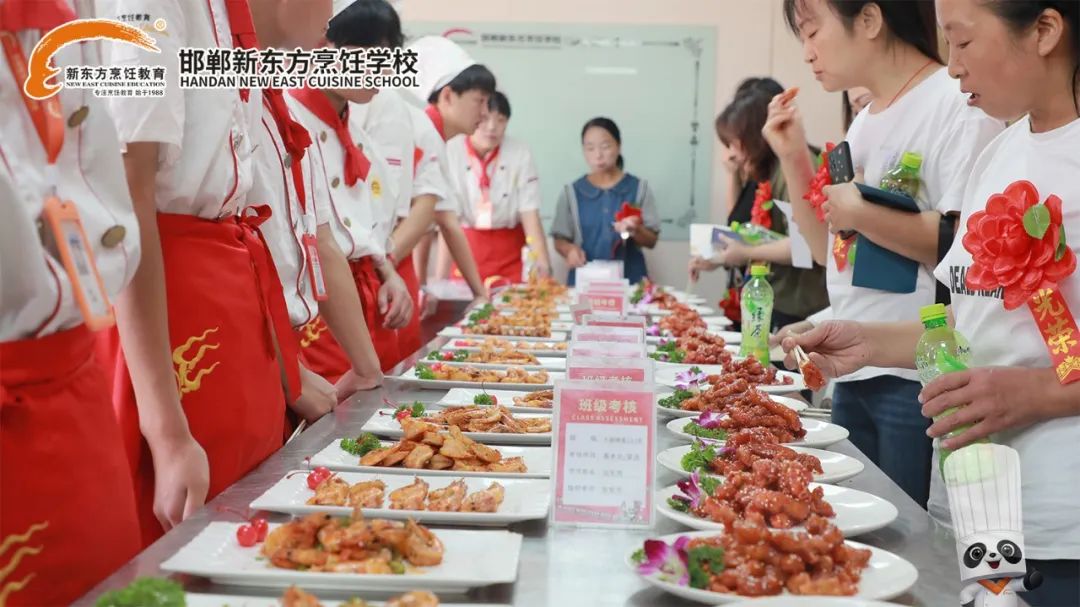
18, 539
188, 374
313, 331
41, 71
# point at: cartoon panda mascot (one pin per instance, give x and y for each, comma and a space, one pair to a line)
983, 481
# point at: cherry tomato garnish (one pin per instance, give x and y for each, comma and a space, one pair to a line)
316, 477
494, 399
448, 356
400, 415
261, 527
246, 535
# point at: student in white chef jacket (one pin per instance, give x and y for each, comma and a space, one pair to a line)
55, 405
915, 108
298, 234
494, 177
1010, 67
206, 290
455, 90
362, 210
415, 181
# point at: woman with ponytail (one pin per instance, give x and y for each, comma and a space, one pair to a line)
891, 48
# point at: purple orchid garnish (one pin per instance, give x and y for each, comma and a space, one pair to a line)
690, 380
710, 420
647, 298
653, 330
663, 357
669, 561
692, 493
664, 341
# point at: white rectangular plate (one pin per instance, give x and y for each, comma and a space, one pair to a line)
231, 600
453, 331
464, 396
537, 462
856, 512
665, 375
545, 364
438, 384
382, 423
525, 499
819, 433
556, 325
835, 467
467, 563
536, 351
731, 337
886, 576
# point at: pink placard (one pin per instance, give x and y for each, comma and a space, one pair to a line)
605, 301
604, 467
590, 349
631, 335
608, 320
609, 369
580, 311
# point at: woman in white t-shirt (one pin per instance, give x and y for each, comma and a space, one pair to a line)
1017, 60
891, 49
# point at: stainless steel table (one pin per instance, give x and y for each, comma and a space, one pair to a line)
564, 567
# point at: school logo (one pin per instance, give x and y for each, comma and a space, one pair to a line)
188, 374
40, 74
22, 551
313, 331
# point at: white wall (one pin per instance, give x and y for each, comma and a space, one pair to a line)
751, 40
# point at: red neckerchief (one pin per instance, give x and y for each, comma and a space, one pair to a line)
485, 162
436, 119
357, 164
417, 156
293, 133
43, 15
242, 28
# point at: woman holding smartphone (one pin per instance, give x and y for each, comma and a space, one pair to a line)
1016, 60
891, 49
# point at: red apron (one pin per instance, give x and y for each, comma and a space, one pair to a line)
321, 352
497, 252
225, 311
409, 340
65, 487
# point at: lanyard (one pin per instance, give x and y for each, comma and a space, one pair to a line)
44, 113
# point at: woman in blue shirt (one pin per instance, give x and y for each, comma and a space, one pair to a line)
585, 228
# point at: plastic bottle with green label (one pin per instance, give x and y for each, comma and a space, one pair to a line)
754, 234
757, 307
941, 349
904, 178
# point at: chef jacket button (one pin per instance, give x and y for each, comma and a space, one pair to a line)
335, 182
347, 222
322, 136
78, 116
113, 236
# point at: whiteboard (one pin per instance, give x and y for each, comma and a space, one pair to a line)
656, 82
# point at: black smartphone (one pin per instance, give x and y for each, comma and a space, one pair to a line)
841, 170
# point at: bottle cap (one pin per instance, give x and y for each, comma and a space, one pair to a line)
911, 160
759, 271
932, 312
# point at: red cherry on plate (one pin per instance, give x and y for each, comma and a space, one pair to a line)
316, 477
247, 536
494, 399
